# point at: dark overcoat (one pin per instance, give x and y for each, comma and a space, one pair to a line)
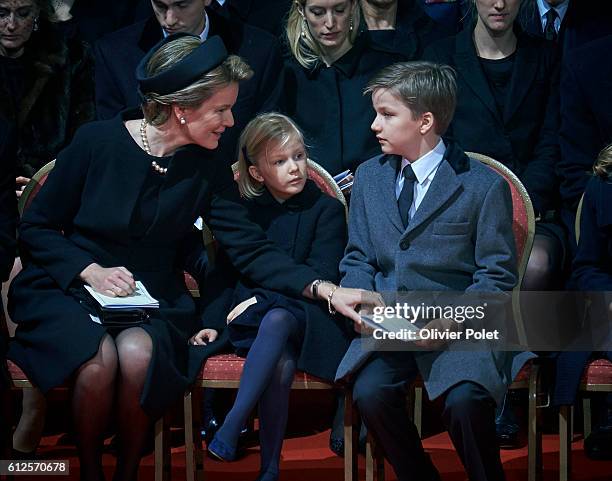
329, 105
118, 54
458, 240
592, 271
586, 118
311, 228
524, 135
83, 214
58, 97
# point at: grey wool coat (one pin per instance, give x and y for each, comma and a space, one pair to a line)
460, 239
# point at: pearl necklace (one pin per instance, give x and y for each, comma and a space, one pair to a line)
145, 143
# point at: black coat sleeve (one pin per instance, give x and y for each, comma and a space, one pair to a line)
591, 268
8, 202
51, 213
109, 97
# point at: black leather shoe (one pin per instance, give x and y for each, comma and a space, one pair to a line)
209, 430
598, 445
508, 435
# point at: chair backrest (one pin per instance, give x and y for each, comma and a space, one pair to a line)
34, 186
523, 228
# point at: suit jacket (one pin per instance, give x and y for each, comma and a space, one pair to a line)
584, 21
586, 118
458, 240
523, 136
311, 228
118, 54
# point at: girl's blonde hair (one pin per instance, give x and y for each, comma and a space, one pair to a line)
603, 166
255, 142
303, 46
157, 108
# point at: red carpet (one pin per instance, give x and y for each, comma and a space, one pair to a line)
308, 459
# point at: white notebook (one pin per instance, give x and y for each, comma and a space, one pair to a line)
140, 298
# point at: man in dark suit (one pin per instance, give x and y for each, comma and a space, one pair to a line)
118, 54
586, 119
425, 217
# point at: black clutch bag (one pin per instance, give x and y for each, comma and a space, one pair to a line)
116, 318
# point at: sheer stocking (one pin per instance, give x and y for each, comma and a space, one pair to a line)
544, 266
134, 348
92, 401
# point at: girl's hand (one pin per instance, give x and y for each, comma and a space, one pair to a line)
240, 308
111, 281
203, 337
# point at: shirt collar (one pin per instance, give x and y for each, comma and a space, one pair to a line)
544, 7
428, 163
204, 35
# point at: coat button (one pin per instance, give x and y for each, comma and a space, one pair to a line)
404, 245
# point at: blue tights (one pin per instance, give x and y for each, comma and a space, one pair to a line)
267, 377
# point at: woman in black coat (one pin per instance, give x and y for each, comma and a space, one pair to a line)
46, 84
325, 74
118, 207
592, 273
507, 108
279, 333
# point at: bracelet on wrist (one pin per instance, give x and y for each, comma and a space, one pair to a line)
314, 287
330, 306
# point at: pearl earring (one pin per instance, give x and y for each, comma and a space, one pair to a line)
304, 27
35, 27
183, 121
351, 24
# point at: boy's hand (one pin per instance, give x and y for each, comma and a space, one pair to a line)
203, 337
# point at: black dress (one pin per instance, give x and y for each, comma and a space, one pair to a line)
90, 209
311, 228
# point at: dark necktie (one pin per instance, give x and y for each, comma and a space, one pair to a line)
549, 29
407, 195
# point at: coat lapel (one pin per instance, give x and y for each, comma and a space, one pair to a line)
468, 66
523, 75
443, 187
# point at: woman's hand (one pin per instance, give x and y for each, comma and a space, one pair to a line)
240, 308
111, 281
20, 185
203, 337
348, 301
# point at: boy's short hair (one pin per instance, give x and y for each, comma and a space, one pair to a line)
423, 87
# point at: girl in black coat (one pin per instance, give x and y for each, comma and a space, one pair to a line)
280, 334
329, 65
507, 108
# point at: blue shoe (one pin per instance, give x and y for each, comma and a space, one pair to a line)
221, 451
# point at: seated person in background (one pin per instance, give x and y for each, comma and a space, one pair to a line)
401, 26
592, 271
279, 333
328, 67
586, 120
46, 84
507, 108
425, 217
118, 54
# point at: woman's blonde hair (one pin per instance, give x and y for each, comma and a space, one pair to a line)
254, 145
303, 46
157, 108
603, 166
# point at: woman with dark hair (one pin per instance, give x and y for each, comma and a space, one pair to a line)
119, 207
46, 83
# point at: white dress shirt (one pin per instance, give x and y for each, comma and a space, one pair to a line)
561, 9
425, 169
